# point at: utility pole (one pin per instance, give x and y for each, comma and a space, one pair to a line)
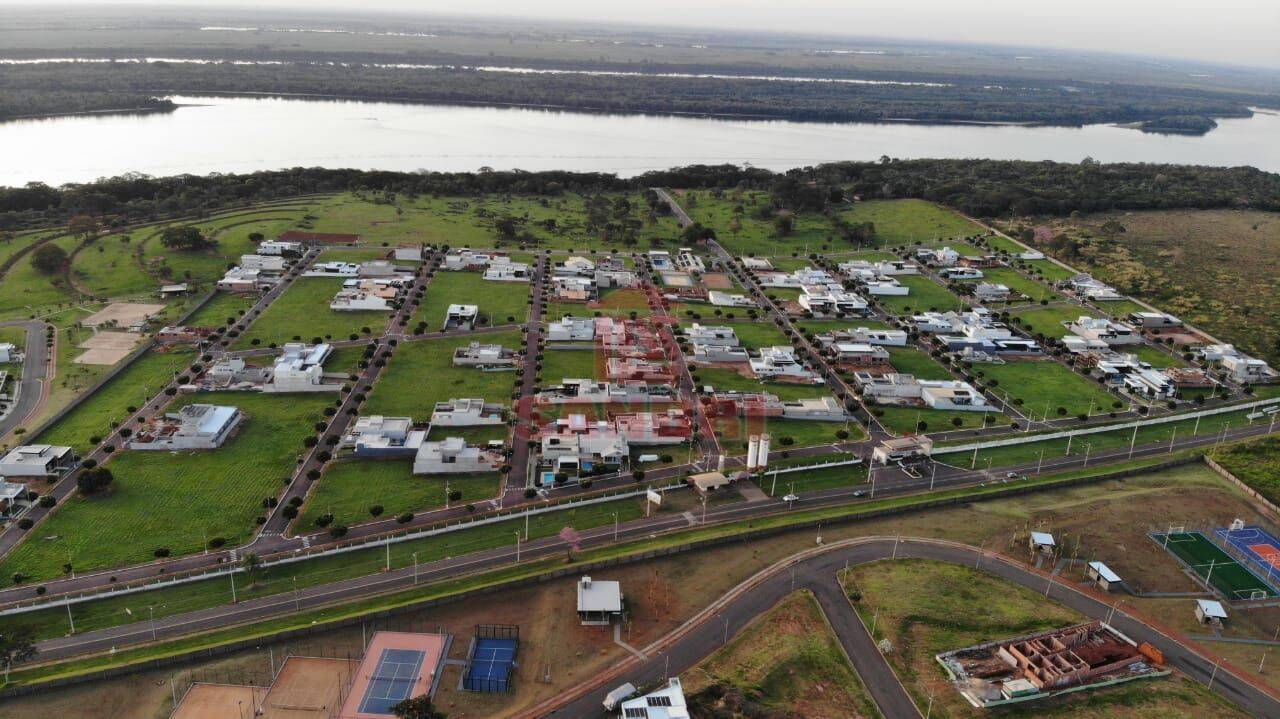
1133, 439
933, 475
415, 556
297, 602
233, 587
1040, 462
615, 520
70, 619
152, 610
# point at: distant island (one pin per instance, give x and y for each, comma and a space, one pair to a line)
1179, 124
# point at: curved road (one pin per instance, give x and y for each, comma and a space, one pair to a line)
35, 371
816, 570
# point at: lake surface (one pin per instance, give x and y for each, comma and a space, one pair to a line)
216, 134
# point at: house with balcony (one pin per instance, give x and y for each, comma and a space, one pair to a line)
454, 456
381, 437
460, 317
780, 362
30, 461
468, 412
485, 356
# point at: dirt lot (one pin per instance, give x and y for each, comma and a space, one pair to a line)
217, 701
717, 281
1109, 519
122, 314
107, 347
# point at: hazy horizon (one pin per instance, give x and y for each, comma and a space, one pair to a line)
1233, 32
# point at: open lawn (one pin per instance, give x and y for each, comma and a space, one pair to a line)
1256, 463
923, 607
1048, 269
349, 488
1032, 290
925, 295
499, 302
910, 420
903, 222
176, 501
302, 313
1048, 321
812, 480
1045, 383
788, 660
559, 365
137, 383
421, 373
224, 306
917, 362
24, 290
741, 226
1154, 356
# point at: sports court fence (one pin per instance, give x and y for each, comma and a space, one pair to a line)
1268, 578
491, 660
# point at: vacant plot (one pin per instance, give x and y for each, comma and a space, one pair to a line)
734, 433
1155, 356
302, 313
222, 310
744, 224
131, 388
349, 489
1018, 282
421, 373
925, 295
904, 222
1213, 268
558, 365
1255, 463
1049, 321
107, 348
499, 302
923, 607
788, 660
910, 420
917, 362
812, 480
1035, 385
176, 501
25, 290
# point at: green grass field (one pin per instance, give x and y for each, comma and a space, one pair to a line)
349, 488
902, 222
812, 480
1048, 321
24, 290
131, 388
1016, 281
913, 361
176, 500
302, 312
558, 365
726, 380
613, 303
1154, 356
1214, 565
499, 302
904, 420
421, 373
1041, 384
925, 295
1256, 463
752, 335
734, 433
223, 306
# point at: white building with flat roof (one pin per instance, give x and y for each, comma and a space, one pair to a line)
599, 602
726, 299
1105, 330
711, 335
454, 456
476, 354
886, 338
195, 426
333, 269
8, 352
667, 702
301, 369
821, 409
37, 460
240, 279
780, 361
378, 436
276, 247
469, 412
756, 263
460, 317
263, 263
828, 299
572, 329
508, 272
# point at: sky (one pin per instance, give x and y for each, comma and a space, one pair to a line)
1245, 32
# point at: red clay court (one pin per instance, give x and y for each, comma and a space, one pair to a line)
396, 666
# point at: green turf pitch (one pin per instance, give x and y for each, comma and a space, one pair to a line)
1229, 576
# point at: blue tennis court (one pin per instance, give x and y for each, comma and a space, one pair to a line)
491, 665
1259, 547
392, 680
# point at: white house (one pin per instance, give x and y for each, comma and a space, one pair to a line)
572, 329
886, 287
333, 269
239, 279
711, 335
725, 299
1243, 368
952, 395
574, 267
942, 257
821, 409
1106, 330
461, 258
454, 456
1154, 320
8, 352
301, 369
264, 263
460, 317
379, 436
1087, 287
960, 273
37, 460
470, 412
756, 263
991, 292
476, 354
508, 272
779, 361
276, 247
824, 299
356, 299
887, 338
1030, 255
712, 353
195, 426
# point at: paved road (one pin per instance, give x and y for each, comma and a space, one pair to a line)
682, 217
816, 571
31, 386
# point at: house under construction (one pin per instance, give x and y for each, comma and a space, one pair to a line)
1041, 665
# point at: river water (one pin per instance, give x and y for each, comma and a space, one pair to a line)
218, 134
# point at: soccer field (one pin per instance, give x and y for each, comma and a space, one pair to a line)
1208, 560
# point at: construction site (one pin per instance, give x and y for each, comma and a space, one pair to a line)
1059, 661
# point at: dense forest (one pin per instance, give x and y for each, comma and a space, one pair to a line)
18, 103
985, 188
975, 100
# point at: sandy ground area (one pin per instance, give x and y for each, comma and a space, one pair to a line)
107, 347
122, 313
